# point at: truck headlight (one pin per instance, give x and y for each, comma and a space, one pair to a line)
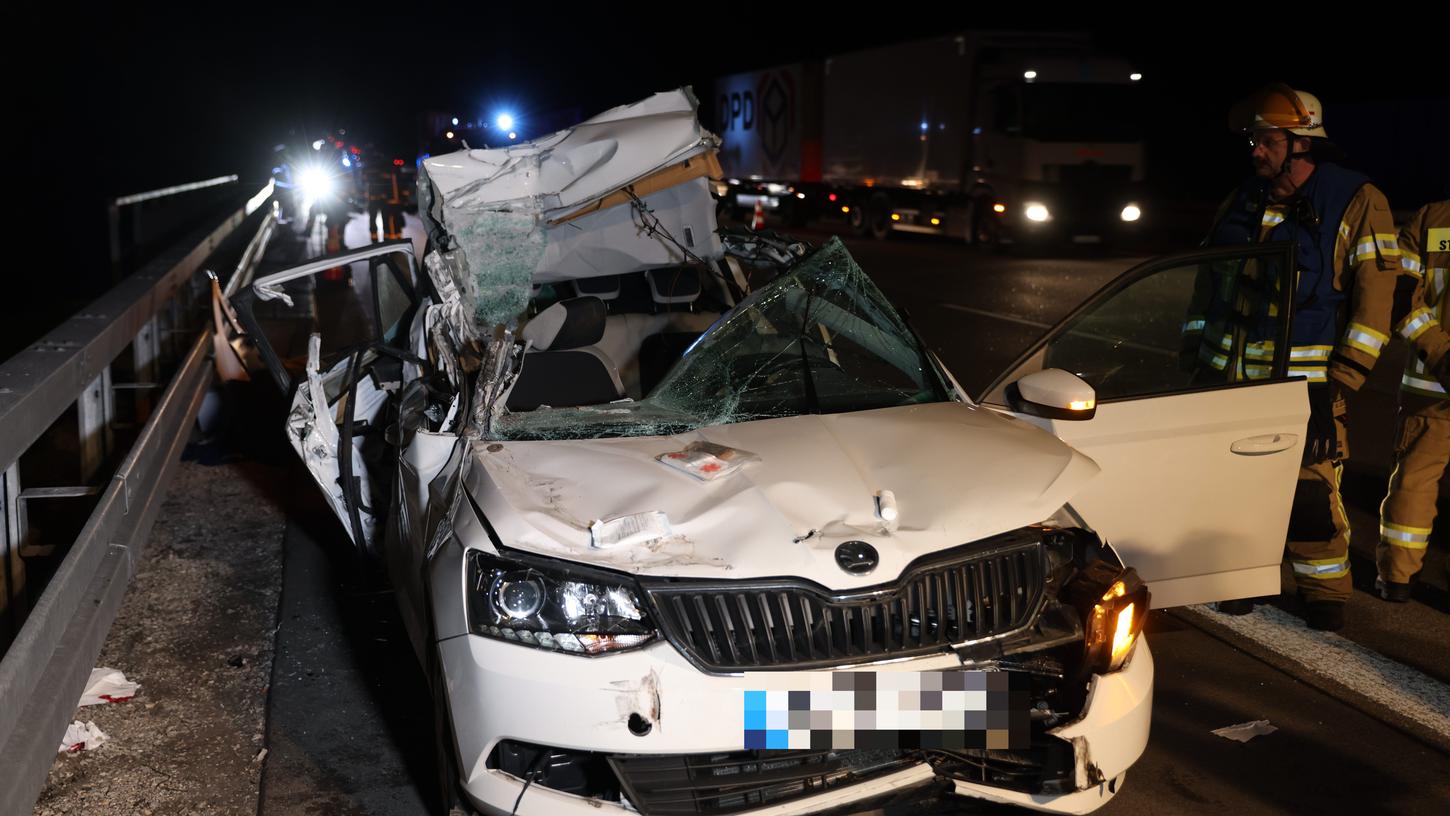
1113, 602
1036, 211
554, 606
1131, 213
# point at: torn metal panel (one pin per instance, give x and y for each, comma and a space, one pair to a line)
620, 240
312, 431
573, 167
494, 207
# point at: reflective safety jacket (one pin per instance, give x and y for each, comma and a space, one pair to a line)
1425, 255
1347, 265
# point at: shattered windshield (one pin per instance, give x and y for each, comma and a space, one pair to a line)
819, 339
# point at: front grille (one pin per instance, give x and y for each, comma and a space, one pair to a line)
745, 780
989, 589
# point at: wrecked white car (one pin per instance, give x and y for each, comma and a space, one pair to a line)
644, 486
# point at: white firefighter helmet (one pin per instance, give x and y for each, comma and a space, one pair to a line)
1278, 106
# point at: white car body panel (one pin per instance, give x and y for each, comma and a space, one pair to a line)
571, 168
980, 475
1198, 521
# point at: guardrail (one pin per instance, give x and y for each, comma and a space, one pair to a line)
57, 639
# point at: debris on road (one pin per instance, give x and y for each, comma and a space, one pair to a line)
107, 686
1243, 732
82, 736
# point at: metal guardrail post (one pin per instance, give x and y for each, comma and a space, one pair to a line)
94, 410
13, 597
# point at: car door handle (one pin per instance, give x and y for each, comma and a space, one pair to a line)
1268, 443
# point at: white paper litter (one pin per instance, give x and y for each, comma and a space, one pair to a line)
107, 686
706, 461
82, 736
1243, 732
624, 531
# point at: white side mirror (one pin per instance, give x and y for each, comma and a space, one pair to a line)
1054, 394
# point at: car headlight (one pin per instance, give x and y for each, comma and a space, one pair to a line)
554, 606
1036, 211
1113, 602
1131, 213
315, 183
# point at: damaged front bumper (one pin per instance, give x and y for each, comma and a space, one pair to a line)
652, 703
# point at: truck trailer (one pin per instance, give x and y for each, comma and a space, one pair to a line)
993, 137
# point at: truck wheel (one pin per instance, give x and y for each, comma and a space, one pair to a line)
878, 217
982, 229
856, 220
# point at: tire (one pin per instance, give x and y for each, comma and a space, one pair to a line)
856, 220
983, 231
878, 217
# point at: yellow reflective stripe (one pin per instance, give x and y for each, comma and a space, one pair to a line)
1405, 532
1310, 353
1258, 372
1310, 374
1418, 384
1388, 244
1272, 216
1193, 326
1324, 568
1410, 262
1417, 323
1343, 230
1365, 339
1218, 361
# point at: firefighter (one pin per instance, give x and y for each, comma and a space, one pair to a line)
1347, 269
1422, 433
385, 197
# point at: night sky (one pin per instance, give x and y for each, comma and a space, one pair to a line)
127, 101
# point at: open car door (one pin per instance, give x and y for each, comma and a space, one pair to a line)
341, 353
1199, 455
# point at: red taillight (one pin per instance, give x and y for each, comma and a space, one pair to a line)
397, 162
833, 196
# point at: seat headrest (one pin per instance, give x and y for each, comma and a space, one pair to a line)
677, 284
568, 324
605, 287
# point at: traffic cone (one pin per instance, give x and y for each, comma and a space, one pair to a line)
758, 220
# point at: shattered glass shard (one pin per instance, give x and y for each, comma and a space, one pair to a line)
819, 339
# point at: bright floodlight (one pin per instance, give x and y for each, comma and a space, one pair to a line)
455, 121
1029, 75
1037, 212
1131, 213
315, 183
505, 122
1135, 77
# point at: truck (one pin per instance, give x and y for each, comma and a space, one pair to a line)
993, 137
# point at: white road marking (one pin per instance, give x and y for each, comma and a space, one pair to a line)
1396, 686
998, 315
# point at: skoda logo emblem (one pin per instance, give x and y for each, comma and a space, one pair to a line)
857, 557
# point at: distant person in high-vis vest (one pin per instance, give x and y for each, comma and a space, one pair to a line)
1347, 267
1422, 434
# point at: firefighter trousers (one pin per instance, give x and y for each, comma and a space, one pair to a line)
1422, 449
391, 216
1318, 526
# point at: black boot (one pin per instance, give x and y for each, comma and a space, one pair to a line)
1392, 591
1326, 616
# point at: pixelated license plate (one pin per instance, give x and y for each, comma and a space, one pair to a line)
942, 710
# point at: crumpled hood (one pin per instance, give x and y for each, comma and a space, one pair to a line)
959, 474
